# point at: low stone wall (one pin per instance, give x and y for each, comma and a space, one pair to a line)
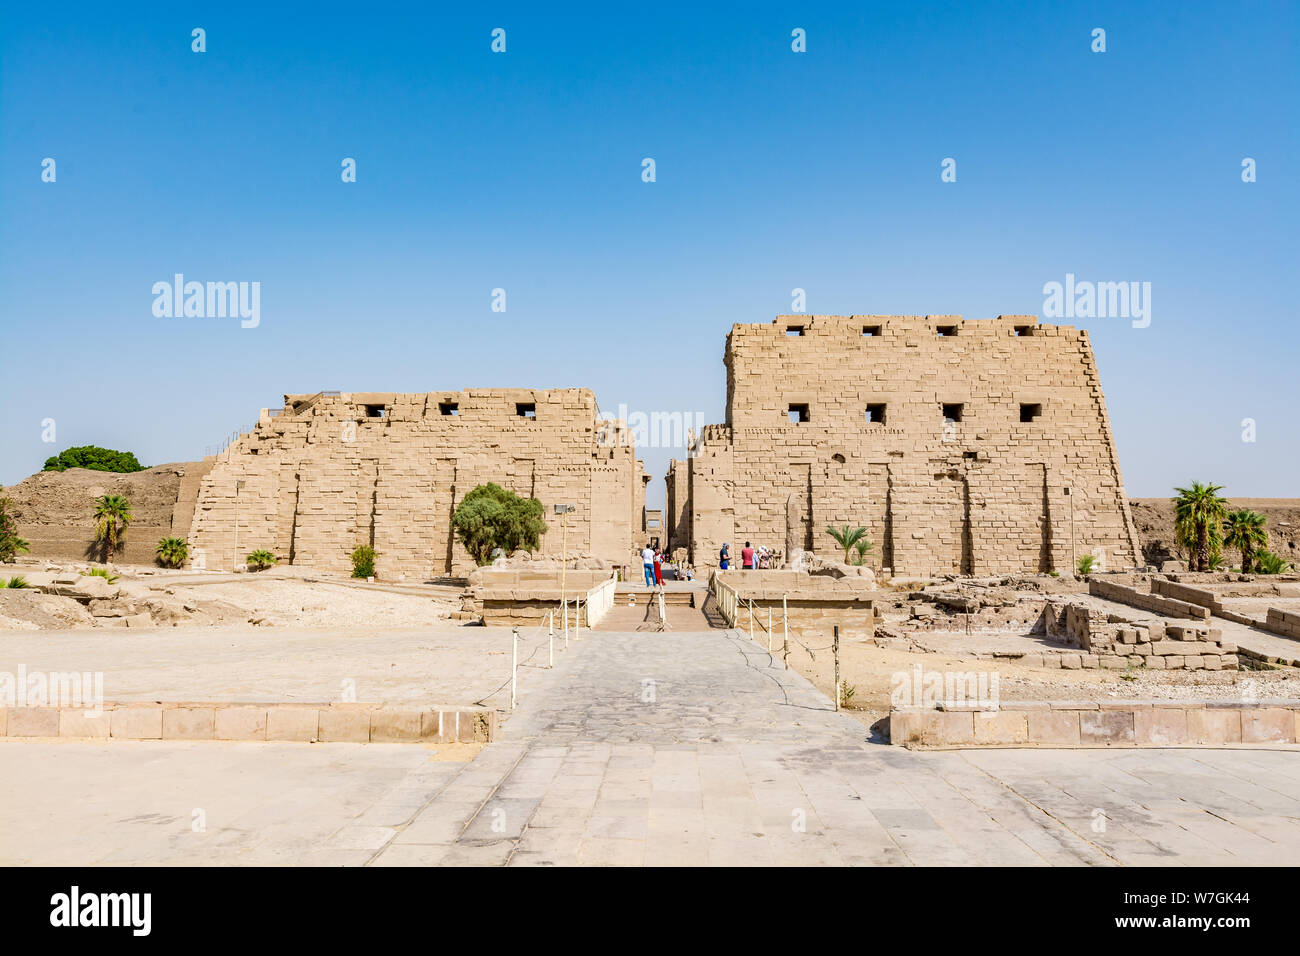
777, 580
1154, 603
1112, 723
1186, 593
810, 612
1285, 623
306, 723
1118, 644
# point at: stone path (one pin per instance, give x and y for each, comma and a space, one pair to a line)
678, 748
695, 749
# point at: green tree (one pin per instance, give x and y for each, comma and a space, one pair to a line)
848, 539
112, 515
490, 517
94, 458
10, 542
1244, 530
363, 562
1198, 519
172, 552
1086, 564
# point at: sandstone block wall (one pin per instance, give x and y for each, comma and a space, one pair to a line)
334, 471
954, 442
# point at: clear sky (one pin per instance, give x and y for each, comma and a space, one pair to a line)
522, 170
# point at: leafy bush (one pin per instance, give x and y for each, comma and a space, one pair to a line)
1086, 564
17, 581
1266, 562
261, 559
172, 552
363, 562
490, 517
847, 691
104, 573
10, 542
94, 458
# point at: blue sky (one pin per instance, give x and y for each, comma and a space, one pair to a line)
522, 171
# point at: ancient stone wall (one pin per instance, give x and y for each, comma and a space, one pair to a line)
331, 472
969, 447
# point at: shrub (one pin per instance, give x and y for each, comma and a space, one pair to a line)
104, 573
10, 542
17, 581
1266, 562
261, 559
490, 517
1085, 564
847, 691
172, 552
363, 562
850, 538
94, 458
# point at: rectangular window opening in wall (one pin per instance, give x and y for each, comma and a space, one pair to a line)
375, 411
1030, 413
876, 414
871, 330
971, 455
794, 330
799, 414
448, 408
1024, 330
946, 330
526, 409
953, 412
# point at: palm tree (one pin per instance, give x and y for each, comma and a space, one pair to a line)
848, 538
172, 552
112, 515
1198, 518
261, 559
1244, 530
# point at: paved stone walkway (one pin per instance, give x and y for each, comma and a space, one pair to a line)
696, 749
649, 749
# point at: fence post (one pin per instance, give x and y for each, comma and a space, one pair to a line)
751, 619
552, 637
769, 630
785, 639
514, 668
835, 644
564, 615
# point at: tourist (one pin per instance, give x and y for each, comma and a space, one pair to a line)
648, 560
747, 558
659, 567
724, 557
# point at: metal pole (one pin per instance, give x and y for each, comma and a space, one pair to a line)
514, 668
552, 637
769, 630
785, 640
564, 564
836, 646
751, 619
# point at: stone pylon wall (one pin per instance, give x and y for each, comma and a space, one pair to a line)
982, 495
331, 472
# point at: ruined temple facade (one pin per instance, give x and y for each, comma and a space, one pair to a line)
331, 471
965, 447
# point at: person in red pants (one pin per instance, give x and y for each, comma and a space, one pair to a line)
659, 567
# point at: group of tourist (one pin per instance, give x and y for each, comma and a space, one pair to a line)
750, 559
